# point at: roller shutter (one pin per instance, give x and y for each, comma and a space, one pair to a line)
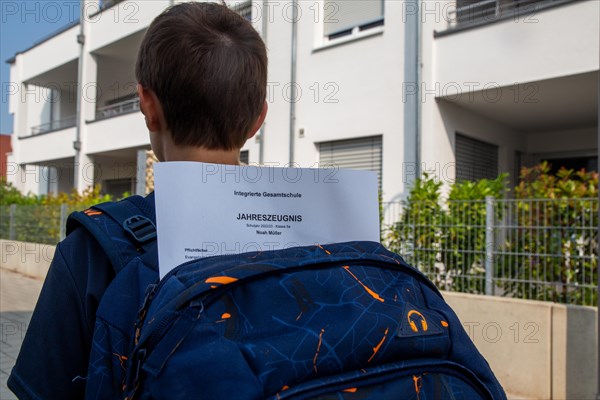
362, 153
475, 159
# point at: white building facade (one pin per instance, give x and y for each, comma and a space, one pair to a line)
464, 89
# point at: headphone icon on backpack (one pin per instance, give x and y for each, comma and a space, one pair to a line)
413, 325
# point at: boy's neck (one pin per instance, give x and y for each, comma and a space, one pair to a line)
176, 153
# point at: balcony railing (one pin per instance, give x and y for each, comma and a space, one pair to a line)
113, 110
480, 12
53, 125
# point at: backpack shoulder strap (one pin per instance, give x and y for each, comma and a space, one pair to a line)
124, 229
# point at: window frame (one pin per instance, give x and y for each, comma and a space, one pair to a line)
363, 29
370, 141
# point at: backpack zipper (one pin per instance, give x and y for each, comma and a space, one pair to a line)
208, 297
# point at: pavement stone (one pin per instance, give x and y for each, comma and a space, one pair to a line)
18, 295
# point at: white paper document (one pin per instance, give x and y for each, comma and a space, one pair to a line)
211, 209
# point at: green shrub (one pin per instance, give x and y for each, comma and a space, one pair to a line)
419, 229
464, 238
38, 218
556, 239
11, 195
545, 239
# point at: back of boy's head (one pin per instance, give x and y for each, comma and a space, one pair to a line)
207, 66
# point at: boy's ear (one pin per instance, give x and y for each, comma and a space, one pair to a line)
151, 108
259, 120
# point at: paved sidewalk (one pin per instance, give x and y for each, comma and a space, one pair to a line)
18, 295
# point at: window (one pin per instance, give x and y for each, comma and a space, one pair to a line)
244, 157
475, 159
362, 153
343, 17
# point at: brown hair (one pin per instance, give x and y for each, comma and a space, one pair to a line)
208, 67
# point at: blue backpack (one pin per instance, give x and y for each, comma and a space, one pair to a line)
342, 321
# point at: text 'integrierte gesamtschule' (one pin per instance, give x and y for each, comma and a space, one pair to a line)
288, 195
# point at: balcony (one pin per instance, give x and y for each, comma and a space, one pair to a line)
117, 126
116, 20
105, 132
549, 43
118, 108
472, 13
52, 126
41, 148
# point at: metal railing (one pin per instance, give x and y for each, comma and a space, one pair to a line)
485, 11
541, 249
113, 110
55, 125
34, 223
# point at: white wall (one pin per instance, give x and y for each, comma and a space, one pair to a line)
541, 45
347, 91
115, 78
38, 101
52, 146
19, 110
276, 127
121, 21
549, 43
443, 119
67, 106
120, 132
572, 140
26, 178
51, 54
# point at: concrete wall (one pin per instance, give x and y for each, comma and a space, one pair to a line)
31, 259
538, 350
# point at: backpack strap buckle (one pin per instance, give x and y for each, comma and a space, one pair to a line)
141, 228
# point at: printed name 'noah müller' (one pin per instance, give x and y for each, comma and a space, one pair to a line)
270, 217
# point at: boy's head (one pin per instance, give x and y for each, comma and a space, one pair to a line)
202, 74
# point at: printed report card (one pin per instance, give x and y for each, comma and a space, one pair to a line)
211, 209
